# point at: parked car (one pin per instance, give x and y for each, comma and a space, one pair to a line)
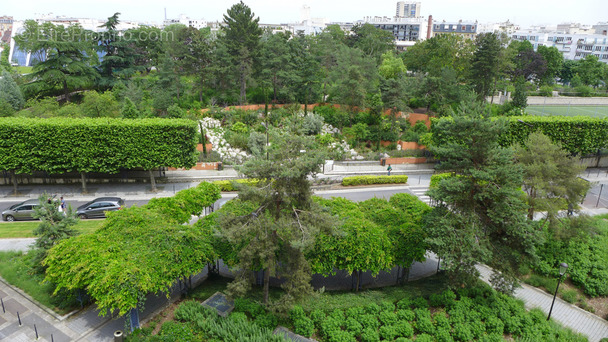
97, 208
21, 211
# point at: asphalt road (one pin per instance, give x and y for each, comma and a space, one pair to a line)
357, 194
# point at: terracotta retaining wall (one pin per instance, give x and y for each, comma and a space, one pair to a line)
198, 166
405, 160
405, 145
199, 147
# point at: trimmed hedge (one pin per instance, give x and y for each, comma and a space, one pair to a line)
438, 177
228, 185
579, 135
105, 145
366, 180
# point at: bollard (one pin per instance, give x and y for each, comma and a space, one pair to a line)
118, 336
19, 318
36, 330
3, 310
52, 339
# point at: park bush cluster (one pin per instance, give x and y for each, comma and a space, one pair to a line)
368, 180
194, 322
470, 314
229, 185
586, 254
105, 145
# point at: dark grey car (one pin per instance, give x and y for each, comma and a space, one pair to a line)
97, 208
21, 211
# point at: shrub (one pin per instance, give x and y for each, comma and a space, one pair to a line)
443, 335
367, 180
445, 299
174, 331
296, 313
404, 303
406, 315
369, 335
372, 308
404, 329
355, 312
420, 303
424, 338
329, 326
369, 321
462, 332
317, 317
388, 318
188, 311
387, 306
228, 185
441, 320
353, 326
387, 332
494, 325
267, 320
424, 325
341, 336
238, 316
304, 326
546, 91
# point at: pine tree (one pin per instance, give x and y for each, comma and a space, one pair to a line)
10, 92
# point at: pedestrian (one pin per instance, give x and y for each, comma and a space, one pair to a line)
570, 209
62, 205
389, 169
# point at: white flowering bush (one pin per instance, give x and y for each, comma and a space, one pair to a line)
215, 132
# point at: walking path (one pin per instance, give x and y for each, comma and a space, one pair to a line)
565, 313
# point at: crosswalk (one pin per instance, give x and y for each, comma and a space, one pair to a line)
420, 192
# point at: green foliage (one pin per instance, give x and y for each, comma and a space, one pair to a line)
585, 253
96, 105
481, 215
550, 177
367, 180
129, 110
60, 145
9, 91
137, 251
54, 227
579, 135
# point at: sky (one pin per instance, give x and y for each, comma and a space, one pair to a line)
522, 12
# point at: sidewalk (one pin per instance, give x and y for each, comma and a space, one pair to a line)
567, 314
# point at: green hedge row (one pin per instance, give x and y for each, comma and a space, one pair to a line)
579, 135
228, 185
366, 180
59, 145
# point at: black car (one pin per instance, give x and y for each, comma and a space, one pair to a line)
97, 208
21, 211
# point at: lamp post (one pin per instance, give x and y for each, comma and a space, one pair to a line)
562, 270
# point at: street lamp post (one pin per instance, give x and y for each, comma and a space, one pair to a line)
562, 270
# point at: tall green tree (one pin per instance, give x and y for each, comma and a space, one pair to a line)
307, 70
485, 64
276, 68
590, 70
354, 76
554, 60
371, 40
69, 57
275, 236
241, 37
480, 215
118, 60
442, 51
550, 176
520, 96
10, 92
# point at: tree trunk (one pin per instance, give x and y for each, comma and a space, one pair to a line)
66, 91
152, 181
14, 181
83, 181
200, 124
266, 284
243, 85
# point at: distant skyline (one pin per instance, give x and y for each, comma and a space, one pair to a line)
524, 13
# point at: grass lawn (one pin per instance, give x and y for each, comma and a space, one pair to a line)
593, 111
24, 229
15, 270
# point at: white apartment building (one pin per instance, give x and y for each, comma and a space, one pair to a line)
405, 30
408, 9
572, 46
185, 20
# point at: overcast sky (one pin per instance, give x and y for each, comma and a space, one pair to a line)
522, 12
